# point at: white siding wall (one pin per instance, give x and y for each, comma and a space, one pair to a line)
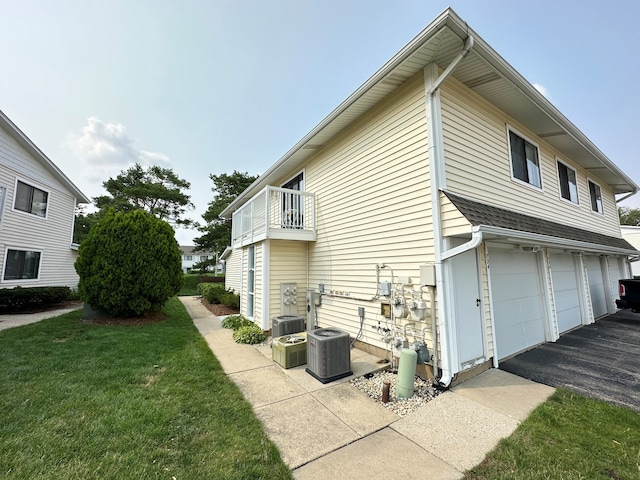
232, 280
288, 265
373, 206
478, 166
51, 235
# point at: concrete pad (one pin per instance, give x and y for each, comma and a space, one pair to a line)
455, 429
265, 350
504, 392
364, 363
303, 429
355, 408
385, 454
221, 339
19, 319
195, 309
234, 360
266, 385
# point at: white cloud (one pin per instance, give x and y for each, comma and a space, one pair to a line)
543, 90
102, 150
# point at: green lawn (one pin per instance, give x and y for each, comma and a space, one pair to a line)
84, 401
190, 285
569, 437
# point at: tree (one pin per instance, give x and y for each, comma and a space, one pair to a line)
158, 191
629, 216
129, 264
83, 223
216, 234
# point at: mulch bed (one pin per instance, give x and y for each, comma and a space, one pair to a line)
153, 317
218, 309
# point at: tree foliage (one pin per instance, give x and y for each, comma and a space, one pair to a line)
129, 264
629, 216
216, 234
83, 222
158, 191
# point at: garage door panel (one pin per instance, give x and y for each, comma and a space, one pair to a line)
518, 309
596, 286
565, 291
566, 300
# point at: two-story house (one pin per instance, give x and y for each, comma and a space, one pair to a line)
190, 258
37, 211
448, 198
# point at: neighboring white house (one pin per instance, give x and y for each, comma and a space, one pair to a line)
37, 211
448, 191
632, 235
190, 258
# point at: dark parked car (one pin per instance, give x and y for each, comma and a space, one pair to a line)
629, 291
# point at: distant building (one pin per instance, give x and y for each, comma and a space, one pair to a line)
191, 258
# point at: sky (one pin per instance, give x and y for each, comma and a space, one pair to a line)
208, 87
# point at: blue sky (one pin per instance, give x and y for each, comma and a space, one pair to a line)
208, 86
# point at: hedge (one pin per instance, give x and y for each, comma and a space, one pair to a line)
18, 299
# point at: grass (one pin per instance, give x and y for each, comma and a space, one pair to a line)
569, 437
190, 285
85, 401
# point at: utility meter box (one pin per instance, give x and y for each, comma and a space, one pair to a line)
385, 288
428, 275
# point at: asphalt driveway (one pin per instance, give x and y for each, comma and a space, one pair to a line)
601, 360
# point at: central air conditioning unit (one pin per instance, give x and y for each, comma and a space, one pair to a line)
286, 324
328, 354
290, 351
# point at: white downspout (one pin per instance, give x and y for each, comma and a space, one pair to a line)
437, 178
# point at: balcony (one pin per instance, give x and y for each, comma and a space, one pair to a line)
275, 213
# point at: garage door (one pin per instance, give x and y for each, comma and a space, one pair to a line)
565, 291
596, 286
615, 273
517, 300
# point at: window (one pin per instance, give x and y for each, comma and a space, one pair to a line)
204, 257
525, 164
568, 182
187, 258
251, 279
596, 197
31, 199
21, 265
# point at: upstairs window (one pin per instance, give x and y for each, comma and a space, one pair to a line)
568, 183
525, 164
187, 258
21, 265
596, 197
30, 199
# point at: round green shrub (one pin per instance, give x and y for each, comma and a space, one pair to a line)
129, 264
249, 334
234, 322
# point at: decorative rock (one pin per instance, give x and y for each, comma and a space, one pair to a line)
372, 384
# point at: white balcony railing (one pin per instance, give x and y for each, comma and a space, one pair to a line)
277, 213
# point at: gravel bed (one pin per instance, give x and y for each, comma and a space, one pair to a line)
371, 385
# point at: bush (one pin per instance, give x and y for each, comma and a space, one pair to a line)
212, 292
19, 299
129, 264
249, 334
208, 279
230, 300
236, 321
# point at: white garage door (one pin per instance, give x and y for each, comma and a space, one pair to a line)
596, 286
565, 291
615, 273
518, 311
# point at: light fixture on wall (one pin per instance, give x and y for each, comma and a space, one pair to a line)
531, 248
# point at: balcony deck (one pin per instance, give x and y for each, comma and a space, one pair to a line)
275, 213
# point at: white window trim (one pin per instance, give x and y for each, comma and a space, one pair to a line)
600, 214
304, 179
34, 185
20, 281
251, 289
577, 202
3, 200
535, 144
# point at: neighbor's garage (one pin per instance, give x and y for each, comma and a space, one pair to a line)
565, 291
518, 313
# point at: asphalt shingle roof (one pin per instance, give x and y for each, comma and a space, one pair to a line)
478, 213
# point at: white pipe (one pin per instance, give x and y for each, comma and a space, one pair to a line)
436, 157
476, 240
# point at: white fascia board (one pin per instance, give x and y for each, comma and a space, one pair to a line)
546, 240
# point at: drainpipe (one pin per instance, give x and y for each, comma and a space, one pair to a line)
437, 178
476, 240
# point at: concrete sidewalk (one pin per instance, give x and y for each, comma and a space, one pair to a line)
17, 320
326, 430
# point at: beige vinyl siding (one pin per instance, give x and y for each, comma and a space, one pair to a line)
478, 165
24, 231
453, 222
486, 298
373, 206
233, 271
288, 265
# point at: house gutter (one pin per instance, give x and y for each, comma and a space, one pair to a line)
626, 196
437, 177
